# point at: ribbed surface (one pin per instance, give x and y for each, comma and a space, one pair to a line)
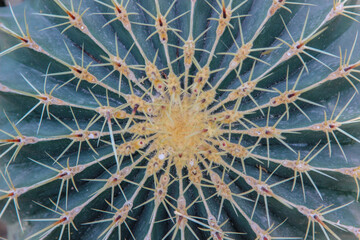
247, 129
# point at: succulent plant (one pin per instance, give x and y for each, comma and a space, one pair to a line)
191, 119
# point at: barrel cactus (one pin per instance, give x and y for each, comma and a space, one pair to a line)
191, 119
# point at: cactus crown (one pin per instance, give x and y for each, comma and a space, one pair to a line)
192, 119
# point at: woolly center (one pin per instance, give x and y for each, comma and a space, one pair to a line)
181, 127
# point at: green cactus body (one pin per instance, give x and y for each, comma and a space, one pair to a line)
191, 119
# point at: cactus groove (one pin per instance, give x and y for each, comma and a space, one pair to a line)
189, 119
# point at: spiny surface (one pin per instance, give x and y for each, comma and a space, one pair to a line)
189, 119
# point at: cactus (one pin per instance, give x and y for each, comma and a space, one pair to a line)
191, 119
